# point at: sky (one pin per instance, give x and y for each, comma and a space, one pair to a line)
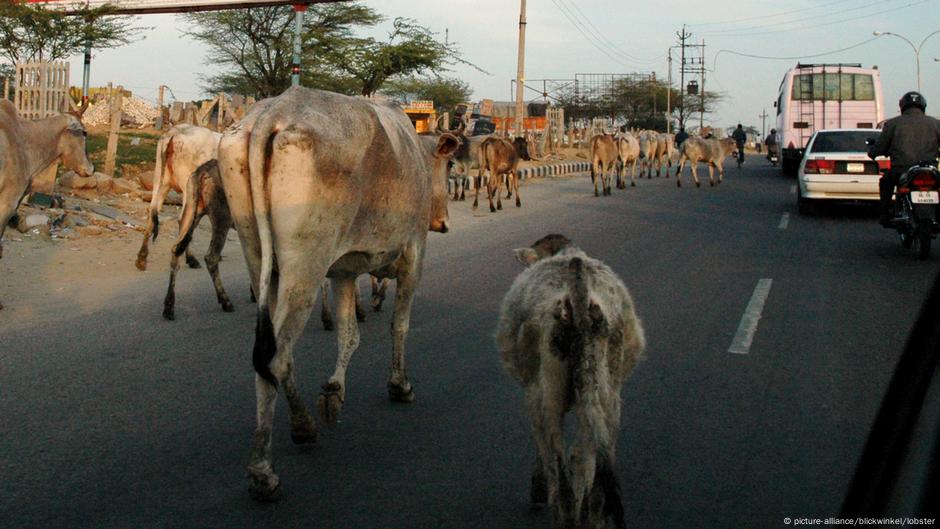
566, 37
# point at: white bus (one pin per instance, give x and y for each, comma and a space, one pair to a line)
824, 96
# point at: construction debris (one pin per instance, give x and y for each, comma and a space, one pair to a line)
135, 112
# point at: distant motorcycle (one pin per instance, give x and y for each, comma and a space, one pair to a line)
916, 207
772, 155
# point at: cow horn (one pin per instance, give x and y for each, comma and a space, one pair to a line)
461, 128
437, 126
81, 110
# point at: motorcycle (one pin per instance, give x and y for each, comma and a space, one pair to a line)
772, 155
916, 207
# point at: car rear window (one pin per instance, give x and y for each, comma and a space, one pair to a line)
848, 141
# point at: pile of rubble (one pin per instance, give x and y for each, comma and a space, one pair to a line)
135, 112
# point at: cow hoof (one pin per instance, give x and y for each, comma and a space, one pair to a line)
595, 193
141, 264
518, 204
168, 314
697, 184
329, 403
711, 184
1, 306
632, 184
377, 303
499, 207
401, 393
327, 325
192, 262
264, 487
539, 491
304, 432
227, 306
360, 313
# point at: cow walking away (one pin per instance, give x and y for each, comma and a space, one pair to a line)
604, 155
204, 196
500, 157
712, 151
27, 148
569, 334
628, 152
180, 151
322, 183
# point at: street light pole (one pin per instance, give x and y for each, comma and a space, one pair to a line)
913, 47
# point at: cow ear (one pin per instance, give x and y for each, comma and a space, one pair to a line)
447, 145
526, 256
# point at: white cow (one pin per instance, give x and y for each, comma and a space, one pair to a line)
325, 184
712, 151
27, 148
568, 333
180, 151
629, 153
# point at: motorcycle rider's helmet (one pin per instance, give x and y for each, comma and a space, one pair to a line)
773, 131
913, 99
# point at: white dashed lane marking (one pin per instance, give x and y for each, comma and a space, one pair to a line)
793, 189
752, 314
784, 221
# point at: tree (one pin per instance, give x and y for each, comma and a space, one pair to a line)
30, 33
253, 48
445, 92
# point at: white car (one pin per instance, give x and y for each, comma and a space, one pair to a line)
836, 166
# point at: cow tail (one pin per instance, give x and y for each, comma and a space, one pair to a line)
588, 405
260, 145
190, 205
164, 156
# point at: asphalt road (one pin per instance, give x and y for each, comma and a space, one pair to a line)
114, 418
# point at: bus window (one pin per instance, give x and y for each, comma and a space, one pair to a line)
864, 88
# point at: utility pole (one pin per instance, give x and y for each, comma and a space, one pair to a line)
298, 31
669, 93
763, 121
682, 36
693, 63
520, 70
701, 116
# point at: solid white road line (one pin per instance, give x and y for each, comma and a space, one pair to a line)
752, 314
784, 220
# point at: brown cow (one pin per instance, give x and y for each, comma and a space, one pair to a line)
604, 156
28, 148
500, 157
321, 183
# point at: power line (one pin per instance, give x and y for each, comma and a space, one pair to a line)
796, 20
773, 15
789, 58
830, 23
604, 37
590, 37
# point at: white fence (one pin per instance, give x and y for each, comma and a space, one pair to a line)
42, 89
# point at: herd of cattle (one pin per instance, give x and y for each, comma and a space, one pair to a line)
614, 153
322, 188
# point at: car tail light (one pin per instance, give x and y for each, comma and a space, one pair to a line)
820, 167
884, 165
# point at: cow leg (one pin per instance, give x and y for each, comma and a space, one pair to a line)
694, 166
169, 301
326, 312
399, 389
333, 394
721, 172
378, 292
546, 411
360, 310
296, 289
633, 175
594, 178
711, 175
463, 187
220, 228
479, 184
515, 183
153, 223
679, 171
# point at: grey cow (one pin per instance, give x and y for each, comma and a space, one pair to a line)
569, 335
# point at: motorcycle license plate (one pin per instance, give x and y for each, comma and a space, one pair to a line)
855, 167
925, 197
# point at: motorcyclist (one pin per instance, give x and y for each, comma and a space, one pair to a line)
907, 139
771, 142
740, 138
681, 136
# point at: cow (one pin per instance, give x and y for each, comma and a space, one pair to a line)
180, 151
27, 148
204, 196
568, 333
500, 157
628, 152
604, 156
712, 151
653, 149
324, 184
465, 159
